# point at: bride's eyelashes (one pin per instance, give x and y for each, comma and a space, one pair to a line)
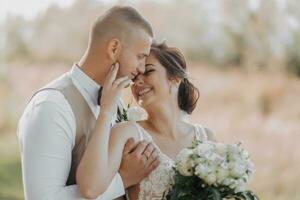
148, 72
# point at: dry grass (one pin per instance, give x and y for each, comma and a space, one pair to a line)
260, 109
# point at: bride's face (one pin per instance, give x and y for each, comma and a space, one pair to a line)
153, 86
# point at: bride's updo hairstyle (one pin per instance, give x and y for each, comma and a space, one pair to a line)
174, 62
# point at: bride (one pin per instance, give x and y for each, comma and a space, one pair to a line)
167, 95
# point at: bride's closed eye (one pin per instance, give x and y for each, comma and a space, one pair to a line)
147, 72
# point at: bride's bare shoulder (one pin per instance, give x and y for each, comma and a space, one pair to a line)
125, 130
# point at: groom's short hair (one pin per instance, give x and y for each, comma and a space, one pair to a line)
121, 22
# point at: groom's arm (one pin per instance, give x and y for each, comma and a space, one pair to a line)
47, 136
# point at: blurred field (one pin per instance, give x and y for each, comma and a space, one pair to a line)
240, 53
260, 109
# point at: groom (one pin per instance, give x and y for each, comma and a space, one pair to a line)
56, 126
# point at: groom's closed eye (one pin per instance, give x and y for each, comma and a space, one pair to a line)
148, 72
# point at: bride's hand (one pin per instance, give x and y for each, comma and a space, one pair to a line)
111, 91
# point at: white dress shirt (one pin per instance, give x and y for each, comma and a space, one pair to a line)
46, 132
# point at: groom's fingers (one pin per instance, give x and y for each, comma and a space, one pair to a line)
125, 84
152, 166
129, 146
118, 81
148, 150
153, 156
108, 75
113, 74
140, 148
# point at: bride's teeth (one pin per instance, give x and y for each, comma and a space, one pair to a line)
144, 91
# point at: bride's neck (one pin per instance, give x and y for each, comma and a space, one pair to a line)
166, 120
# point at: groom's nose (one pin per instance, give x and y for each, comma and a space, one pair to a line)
139, 80
141, 69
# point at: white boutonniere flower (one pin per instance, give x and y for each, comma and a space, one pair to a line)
131, 113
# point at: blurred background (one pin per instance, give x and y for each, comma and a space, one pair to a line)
244, 56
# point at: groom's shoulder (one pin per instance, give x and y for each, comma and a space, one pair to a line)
48, 94
50, 101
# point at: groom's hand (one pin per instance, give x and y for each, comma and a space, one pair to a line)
138, 161
111, 90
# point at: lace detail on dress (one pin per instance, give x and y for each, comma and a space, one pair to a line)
159, 181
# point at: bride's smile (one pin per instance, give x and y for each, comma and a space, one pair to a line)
152, 87
141, 92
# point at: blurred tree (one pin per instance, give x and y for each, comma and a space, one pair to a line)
253, 34
15, 44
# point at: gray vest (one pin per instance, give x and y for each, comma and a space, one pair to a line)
85, 119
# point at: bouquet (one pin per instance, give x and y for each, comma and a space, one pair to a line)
212, 171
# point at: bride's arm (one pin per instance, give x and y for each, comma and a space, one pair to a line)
102, 157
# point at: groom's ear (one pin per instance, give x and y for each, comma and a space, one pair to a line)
113, 49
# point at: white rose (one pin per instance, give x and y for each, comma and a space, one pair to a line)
221, 149
204, 149
234, 184
211, 178
213, 167
184, 162
202, 171
237, 170
240, 186
227, 181
250, 167
135, 114
244, 154
233, 149
222, 174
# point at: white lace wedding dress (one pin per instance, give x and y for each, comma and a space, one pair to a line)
157, 184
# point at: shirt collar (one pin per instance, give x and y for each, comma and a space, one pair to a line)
87, 84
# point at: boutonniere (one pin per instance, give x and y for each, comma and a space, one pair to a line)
131, 113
